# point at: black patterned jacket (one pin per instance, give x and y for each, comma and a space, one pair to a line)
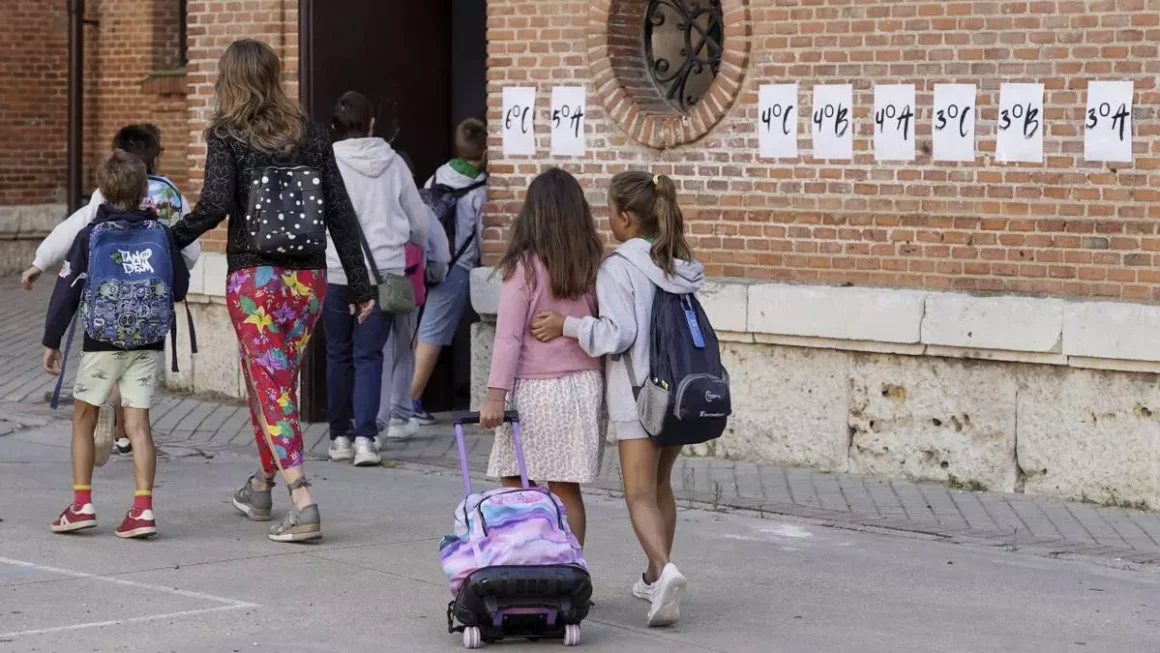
229, 168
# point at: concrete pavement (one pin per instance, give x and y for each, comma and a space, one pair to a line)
212, 582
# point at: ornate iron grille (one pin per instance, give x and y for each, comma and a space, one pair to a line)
683, 41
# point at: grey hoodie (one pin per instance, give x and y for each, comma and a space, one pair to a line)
624, 293
390, 210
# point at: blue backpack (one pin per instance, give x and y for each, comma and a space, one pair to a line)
128, 297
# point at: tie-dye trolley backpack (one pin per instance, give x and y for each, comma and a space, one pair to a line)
512, 562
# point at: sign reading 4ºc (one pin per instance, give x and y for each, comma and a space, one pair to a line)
518, 121
777, 121
1108, 122
568, 104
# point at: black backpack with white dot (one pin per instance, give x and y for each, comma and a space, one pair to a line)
286, 216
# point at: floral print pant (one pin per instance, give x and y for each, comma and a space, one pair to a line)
274, 311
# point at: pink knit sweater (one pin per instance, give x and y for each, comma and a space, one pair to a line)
517, 354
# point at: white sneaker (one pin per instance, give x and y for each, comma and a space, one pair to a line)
103, 435
340, 450
402, 428
666, 600
642, 590
366, 454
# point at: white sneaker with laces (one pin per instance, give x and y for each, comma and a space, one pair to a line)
402, 428
366, 453
340, 449
666, 600
643, 590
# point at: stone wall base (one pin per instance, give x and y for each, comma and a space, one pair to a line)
1066, 432
22, 228
215, 370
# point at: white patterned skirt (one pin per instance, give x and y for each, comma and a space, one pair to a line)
562, 426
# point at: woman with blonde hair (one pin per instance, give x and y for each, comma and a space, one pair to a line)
272, 172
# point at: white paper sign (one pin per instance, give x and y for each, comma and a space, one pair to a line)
1020, 123
777, 121
568, 112
833, 122
518, 120
954, 122
1108, 125
894, 122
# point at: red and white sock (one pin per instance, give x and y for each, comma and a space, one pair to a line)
143, 500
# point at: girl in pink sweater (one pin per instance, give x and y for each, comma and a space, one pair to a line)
550, 265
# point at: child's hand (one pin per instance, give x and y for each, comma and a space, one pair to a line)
363, 310
491, 414
30, 276
52, 361
547, 326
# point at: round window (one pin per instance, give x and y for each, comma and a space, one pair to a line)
683, 44
668, 71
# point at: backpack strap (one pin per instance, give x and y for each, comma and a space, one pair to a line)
458, 194
72, 331
173, 335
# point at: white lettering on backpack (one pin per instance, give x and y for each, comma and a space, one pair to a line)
137, 262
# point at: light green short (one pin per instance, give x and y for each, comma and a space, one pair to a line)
135, 373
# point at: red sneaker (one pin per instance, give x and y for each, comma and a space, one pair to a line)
75, 518
137, 524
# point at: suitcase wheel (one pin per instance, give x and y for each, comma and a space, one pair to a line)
472, 637
572, 635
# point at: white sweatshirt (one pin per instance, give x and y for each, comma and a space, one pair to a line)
56, 245
389, 208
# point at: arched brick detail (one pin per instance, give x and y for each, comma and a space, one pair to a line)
622, 82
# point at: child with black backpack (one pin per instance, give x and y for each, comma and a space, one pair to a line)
456, 195
124, 272
659, 345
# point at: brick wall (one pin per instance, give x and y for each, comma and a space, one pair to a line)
1064, 227
33, 101
213, 25
130, 70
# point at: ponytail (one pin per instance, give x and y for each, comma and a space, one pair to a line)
653, 200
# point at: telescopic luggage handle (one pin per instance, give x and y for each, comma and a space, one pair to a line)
511, 417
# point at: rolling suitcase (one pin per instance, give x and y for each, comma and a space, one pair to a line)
512, 563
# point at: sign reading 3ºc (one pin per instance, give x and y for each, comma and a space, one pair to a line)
518, 121
1020, 123
777, 121
568, 103
1108, 122
833, 122
953, 128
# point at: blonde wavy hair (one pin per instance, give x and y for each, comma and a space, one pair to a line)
250, 103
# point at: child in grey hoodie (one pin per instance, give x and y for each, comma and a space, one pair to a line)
645, 218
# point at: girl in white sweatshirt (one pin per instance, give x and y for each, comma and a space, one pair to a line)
645, 218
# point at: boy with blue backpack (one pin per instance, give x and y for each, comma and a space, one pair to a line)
144, 142
124, 272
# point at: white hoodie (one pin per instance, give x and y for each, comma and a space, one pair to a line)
387, 203
625, 288
56, 245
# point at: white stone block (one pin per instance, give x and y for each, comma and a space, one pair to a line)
215, 270
789, 406
726, 304
931, 419
1112, 330
1089, 435
482, 339
485, 287
842, 313
1003, 323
